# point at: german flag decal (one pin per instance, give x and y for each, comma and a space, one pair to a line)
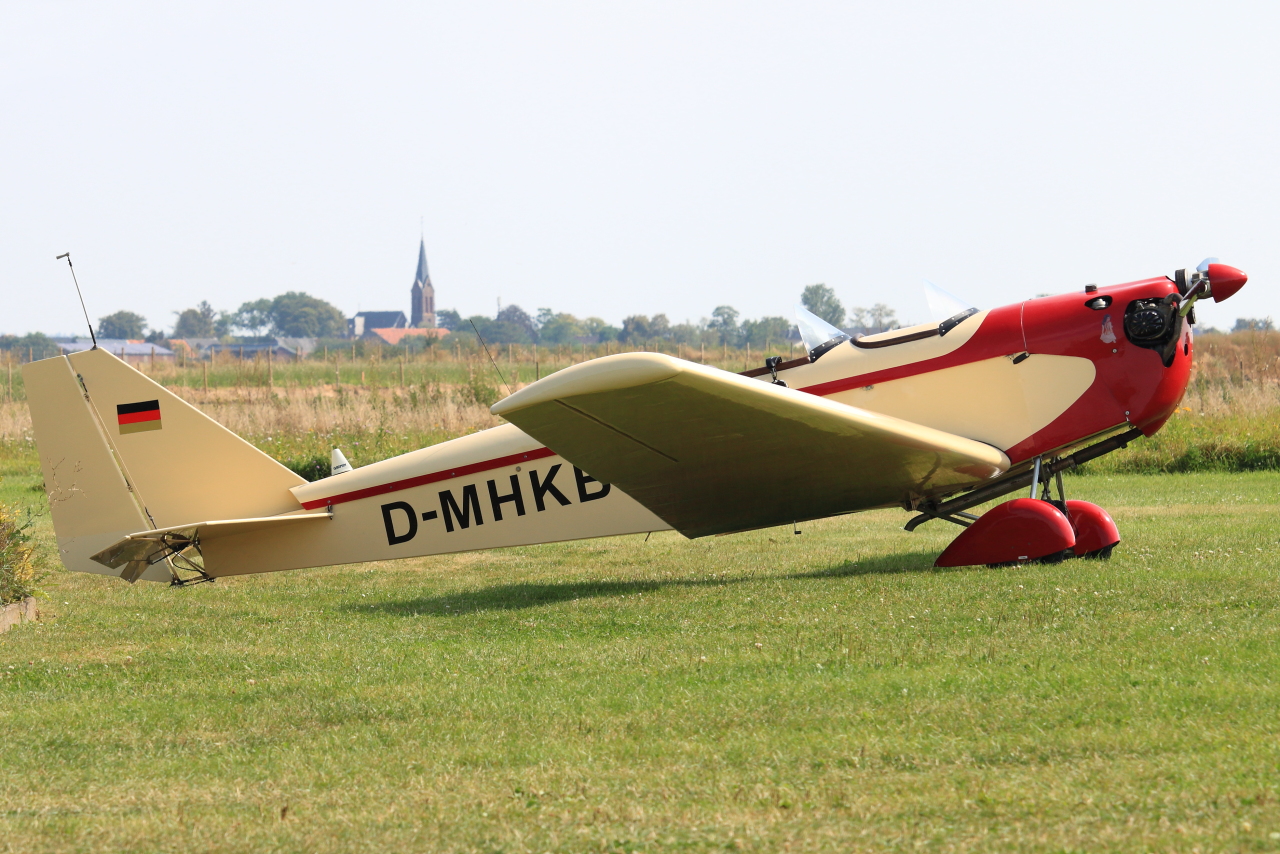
137, 417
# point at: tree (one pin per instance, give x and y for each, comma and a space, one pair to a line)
559, 328
495, 331
766, 330
36, 344
298, 315
447, 318
724, 324
635, 329
821, 300
881, 318
122, 324
253, 317
517, 316
199, 322
858, 319
687, 333
660, 327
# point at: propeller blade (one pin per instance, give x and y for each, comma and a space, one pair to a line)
1203, 266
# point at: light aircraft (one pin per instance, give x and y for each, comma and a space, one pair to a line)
936, 419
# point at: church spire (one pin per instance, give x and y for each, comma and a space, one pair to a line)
423, 277
422, 295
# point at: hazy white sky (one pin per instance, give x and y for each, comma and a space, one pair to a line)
617, 158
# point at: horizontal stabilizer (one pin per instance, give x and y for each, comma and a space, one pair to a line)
136, 552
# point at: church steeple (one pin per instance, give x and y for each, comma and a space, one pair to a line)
423, 295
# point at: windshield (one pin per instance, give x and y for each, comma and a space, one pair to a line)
818, 335
943, 305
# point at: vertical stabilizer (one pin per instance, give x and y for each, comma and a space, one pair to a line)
89, 499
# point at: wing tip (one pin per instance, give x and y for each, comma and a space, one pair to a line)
609, 373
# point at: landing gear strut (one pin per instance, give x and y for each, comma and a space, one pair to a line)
1031, 529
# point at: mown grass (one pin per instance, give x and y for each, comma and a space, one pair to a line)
1195, 442
761, 692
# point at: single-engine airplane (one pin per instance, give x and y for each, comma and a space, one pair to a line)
936, 419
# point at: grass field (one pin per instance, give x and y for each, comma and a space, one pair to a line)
759, 692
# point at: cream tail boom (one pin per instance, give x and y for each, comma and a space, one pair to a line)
935, 419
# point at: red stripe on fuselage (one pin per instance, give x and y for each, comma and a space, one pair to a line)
434, 477
138, 417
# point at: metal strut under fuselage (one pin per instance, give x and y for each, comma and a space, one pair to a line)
955, 507
174, 548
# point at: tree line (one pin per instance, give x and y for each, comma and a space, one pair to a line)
300, 315
513, 325
291, 315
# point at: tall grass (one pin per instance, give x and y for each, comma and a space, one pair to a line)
379, 404
1229, 419
372, 366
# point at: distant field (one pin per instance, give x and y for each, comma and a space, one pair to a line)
758, 692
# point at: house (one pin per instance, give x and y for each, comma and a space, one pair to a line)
192, 347
302, 346
363, 324
398, 336
134, 352
278, 352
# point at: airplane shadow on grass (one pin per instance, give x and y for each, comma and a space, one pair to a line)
509, 597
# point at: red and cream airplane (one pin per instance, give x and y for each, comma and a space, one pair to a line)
936, 419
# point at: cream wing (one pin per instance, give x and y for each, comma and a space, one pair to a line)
711, 452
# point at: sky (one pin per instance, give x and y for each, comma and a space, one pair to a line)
609, 159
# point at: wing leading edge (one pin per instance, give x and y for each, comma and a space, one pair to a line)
711, 452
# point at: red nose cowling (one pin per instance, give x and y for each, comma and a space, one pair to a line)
1224, 281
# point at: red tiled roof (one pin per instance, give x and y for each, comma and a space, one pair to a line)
393, 336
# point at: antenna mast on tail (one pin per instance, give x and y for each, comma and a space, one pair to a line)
491, 359
92, 337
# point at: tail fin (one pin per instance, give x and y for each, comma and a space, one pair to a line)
120, 454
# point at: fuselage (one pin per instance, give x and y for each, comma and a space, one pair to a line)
1031, 378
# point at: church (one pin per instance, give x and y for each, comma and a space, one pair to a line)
393, 326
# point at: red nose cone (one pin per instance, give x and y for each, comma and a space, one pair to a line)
1224, 281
